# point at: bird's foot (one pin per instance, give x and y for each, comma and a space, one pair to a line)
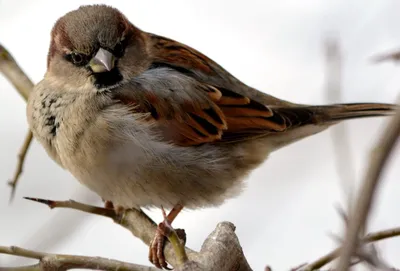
156, 252
164, 229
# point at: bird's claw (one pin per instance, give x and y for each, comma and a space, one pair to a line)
156, 252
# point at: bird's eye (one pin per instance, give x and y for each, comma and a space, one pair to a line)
119, 49
77, 59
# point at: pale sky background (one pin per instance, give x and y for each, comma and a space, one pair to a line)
284, 216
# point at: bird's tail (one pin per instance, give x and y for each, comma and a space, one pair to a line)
304, 120
338, 112
301, 115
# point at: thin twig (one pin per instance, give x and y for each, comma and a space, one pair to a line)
13, 72
359, 213
136, 221
65, 262
71, 204
20, 163
369, 238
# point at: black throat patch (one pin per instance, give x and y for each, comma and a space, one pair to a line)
107, 79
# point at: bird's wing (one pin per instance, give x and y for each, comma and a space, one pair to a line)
188, 112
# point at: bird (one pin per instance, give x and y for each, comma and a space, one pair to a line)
146, 121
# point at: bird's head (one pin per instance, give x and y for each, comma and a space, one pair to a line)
96, 45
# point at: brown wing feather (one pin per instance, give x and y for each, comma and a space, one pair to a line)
216, 120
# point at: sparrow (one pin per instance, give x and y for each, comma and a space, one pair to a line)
145, 121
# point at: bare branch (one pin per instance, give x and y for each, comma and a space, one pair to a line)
136, 221
17, 77
369, 238
70, 204
61, 262
359, 214
21, 158
220, 251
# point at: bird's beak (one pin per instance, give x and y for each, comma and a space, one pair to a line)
103, 61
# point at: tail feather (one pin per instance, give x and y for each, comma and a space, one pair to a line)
304, 121
340, 112
295, 116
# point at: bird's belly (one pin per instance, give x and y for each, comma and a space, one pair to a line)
132, 175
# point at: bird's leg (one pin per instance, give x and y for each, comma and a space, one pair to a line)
156, 251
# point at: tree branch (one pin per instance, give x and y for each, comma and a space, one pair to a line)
20, 163
217, 252
220, 251
22, 83
369, 238
359, 213
71, 204
61, 262
136, 221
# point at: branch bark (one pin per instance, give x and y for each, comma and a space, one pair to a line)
13, 72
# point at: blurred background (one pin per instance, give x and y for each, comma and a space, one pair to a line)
287, 212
